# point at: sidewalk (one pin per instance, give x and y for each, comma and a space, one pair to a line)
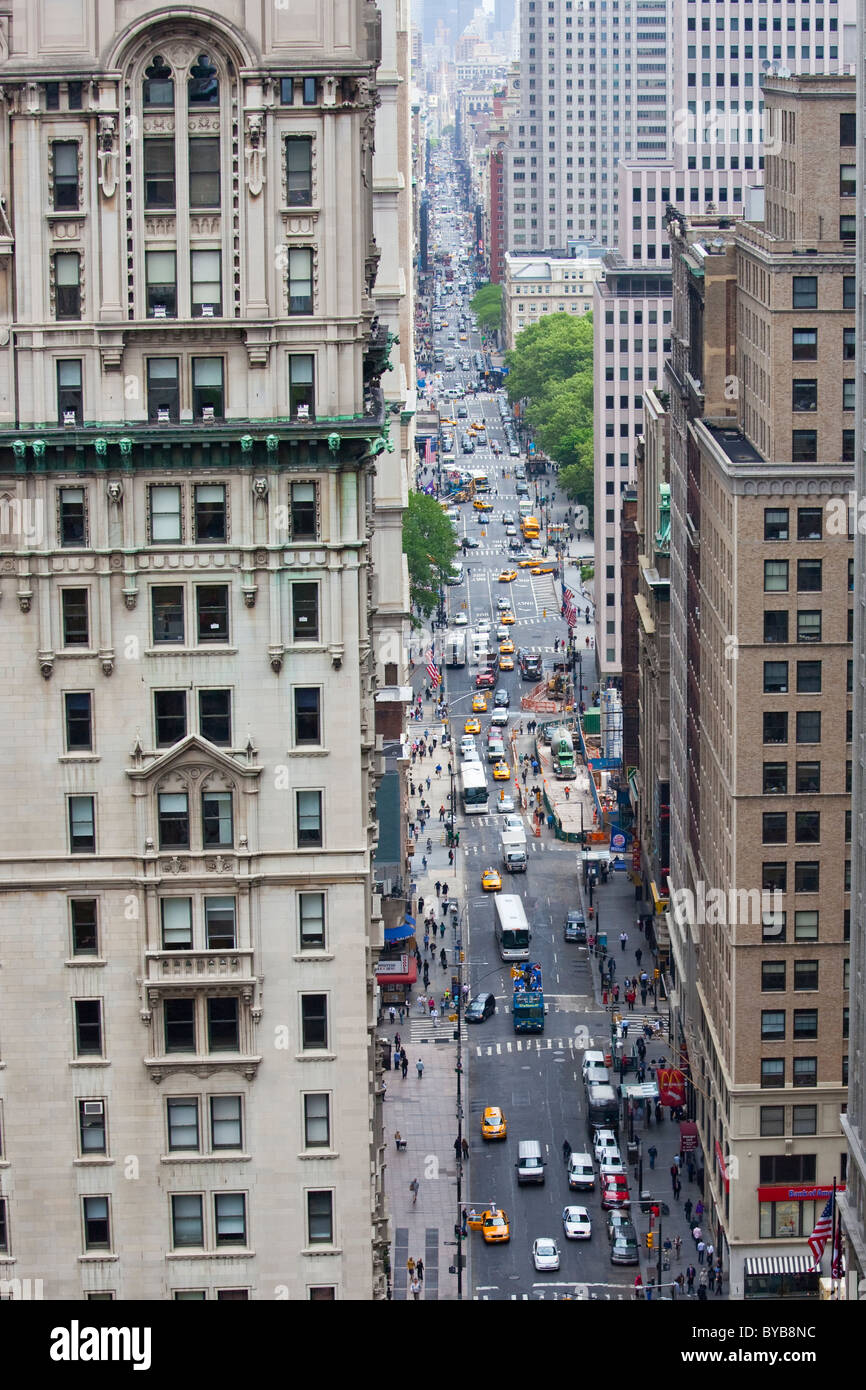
424, 1111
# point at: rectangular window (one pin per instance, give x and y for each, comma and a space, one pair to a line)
304, 519
772, 1073
215, 716
204, 171
774, 827
775, 625
173, 819
223, 1031
808, 677
302, 405
848, 445
772, 976
772, 1121
806, 974
83, 926
805, 1071
805, 1117
74, 617
179, 1021
167, 614
212, 612
308, 723
169, 716
311, 921
88, 1027
82, 827
849, 397
317, 1121
305, 612
210, 512
230, 1218
806, 925
805, 1023
220, 924
187, 1222
159, 174
91, 1127
775, 523
300, 280
809, 524
97, 1229
804, 345
773, 1024
775, 779
226, 1130
807, 876
809, 622
163, 392
217, 827
848, 128
775, 576
176, 921
804, 446
78, 721
309, 819
67, 285
808, 576
775, 726
848, 227
804, 292
808, 726
804, 394
314, 1022
70, 394
849, 291
182, 1124
775, 677
206, 291
160, 269
299, 171
166, 518
808, 777
65, 191
320, 1218
807, 827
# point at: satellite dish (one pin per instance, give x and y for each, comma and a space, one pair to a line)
766, 65
719, 243
783, 72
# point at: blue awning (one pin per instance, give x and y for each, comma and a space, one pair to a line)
401, 933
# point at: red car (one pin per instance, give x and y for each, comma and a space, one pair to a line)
614, 1193
485, 680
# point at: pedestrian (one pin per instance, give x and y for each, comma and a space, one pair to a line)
702, 1285
616, 994
699, 1209
445, 890
420, 906
413, 1188
611, 967
678, 1187
427, 779
638, 1286
566, 1151
678, 1246
442, 929
690, 1170
643, 994
702, 1249
652, 1153
431, 1005
421, 1001
404, 1064
438, 886
709, 1253
465, 1146
396, 1058
450, 856
434, 1014
419, 1067
687, 1208
718, 1280
696, 1234
443, 959
410, 1265
457, 1149
415, 1286
401, 1009
674, 1170
419, 1270
623, 940
680, 1283
691, 1275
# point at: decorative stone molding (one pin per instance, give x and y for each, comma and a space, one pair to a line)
250, 592
114, 490
220, 864
108, 154
46, 668
205, 224
158, 1070
25, 599
158, 125
255, 152
107, 665
260, 559
159, 226
174, 865
300, 223
260, 489
111, 352
65, 231
130, 597
275, 655
196, 124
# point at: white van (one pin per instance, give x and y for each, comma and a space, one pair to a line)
581, 1174
593, 1062
530, 1164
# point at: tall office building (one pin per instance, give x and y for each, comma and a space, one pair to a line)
200, 588
721, 54
762, 392
853, 1201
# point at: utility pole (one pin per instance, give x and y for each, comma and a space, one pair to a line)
459, 1069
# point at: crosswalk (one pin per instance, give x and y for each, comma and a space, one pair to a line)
532, 1045
548, 1293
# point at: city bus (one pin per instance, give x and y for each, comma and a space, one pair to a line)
473, 789
511, 927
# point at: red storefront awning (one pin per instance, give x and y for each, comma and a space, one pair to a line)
403, 970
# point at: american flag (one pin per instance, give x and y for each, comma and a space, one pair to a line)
820, 1235
428, 452
569, 612
432, 670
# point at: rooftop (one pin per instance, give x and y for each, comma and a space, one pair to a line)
734, 443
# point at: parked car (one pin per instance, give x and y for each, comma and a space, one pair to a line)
575, 927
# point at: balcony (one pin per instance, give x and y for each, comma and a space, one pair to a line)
201, 968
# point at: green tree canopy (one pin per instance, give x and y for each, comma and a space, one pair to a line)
552, 350
428, 544
487, 305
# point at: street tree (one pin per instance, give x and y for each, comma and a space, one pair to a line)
487, 306
546, 353
429, 547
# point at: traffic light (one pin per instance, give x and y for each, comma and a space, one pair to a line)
650, 1240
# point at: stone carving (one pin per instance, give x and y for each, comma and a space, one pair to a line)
125, 445
101, 447
46, 668
114, 490
107, 154
66, 231
19, 448
174, 865
220, 864
260, 489
334, 442
107, 665
24, 602
38, 447
250, 597
158, 125
199, 123
159, 226
272, 443
255, 152
204, 226
130, 597
276, 662
246, 443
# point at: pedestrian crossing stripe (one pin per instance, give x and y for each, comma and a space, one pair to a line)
529, 1045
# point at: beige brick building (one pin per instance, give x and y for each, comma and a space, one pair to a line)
193, 555
761, 676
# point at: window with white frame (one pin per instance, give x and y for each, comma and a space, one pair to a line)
311, 921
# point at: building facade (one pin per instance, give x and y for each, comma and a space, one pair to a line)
191, 415
761, 624
547, 284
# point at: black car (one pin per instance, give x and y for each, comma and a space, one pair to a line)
470, 543
575, 927
481, 1007
501, 699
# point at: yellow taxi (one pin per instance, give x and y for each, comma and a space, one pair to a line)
506, 619
507, 575
506, 648
463, 338
447, 420
493, 1124
491, 881
501, 772
506, 663
527, 564
472, 726
481, 506
477, 427
494, 1226
543, 569
479, 704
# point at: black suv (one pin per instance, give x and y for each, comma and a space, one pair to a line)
575, 927
481, 1007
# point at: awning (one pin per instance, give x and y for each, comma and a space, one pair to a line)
688, 1136
405, 976
405, 929
780, 1264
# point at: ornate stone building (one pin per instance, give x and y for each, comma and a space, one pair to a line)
190, 418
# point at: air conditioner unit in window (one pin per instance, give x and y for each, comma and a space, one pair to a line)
163, 415
68, 418
207, 413
303, 412
207, 311
159, 311
94, 1107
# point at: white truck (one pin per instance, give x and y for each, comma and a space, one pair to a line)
455, 649
513, 845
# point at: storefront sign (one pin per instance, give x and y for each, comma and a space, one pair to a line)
797, 1193
393, 967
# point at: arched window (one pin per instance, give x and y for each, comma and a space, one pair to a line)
203, 87
157, 90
